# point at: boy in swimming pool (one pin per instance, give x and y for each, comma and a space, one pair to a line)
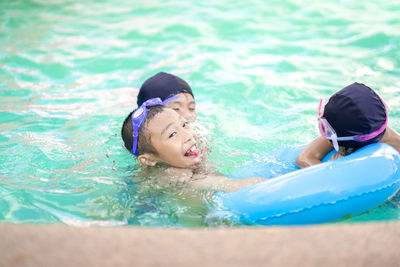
348, 120
159, 136
165, 85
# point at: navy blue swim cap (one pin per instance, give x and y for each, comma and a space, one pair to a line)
355, 110
162, 85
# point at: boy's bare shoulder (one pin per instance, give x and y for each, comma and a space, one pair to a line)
222, 183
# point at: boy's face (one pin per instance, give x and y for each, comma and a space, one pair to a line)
184, 105
173, 139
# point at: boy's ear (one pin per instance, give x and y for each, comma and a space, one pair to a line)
147, 159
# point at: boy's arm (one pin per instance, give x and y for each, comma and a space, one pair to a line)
392, 138
314, 152
222, 183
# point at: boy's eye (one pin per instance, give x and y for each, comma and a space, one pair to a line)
176, 109
172, 135
185, 124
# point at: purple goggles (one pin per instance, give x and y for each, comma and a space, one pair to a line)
140, 114
328, 132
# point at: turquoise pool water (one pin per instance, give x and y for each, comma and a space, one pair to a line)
70, 72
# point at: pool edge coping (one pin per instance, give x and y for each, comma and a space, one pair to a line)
362, 244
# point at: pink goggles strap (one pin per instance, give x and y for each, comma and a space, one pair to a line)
365, 137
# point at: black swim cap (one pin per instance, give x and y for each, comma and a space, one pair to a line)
355, 110
162, 85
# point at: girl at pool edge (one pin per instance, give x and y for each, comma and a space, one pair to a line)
159, 136
348, 120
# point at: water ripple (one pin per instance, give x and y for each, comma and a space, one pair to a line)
70, 72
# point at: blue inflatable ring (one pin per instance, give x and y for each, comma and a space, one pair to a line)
326, 192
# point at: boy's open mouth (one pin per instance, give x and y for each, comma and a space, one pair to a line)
193, 151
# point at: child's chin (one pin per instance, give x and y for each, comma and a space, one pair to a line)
193, 162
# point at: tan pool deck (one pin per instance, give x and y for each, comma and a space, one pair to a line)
369, 244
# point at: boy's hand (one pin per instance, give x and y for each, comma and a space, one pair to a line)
336, 156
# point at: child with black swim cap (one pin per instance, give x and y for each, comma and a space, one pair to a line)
165, 85
159, 136
348, 120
